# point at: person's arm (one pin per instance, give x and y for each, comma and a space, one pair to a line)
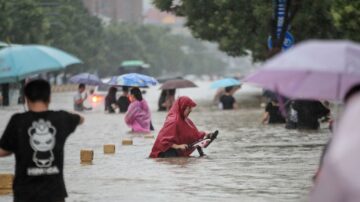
4, 153
73, 117
80, 100
165, 104
8, 141
131, 113
168, 103
265, 117
217, 96
72, 120
235, 105
180, 146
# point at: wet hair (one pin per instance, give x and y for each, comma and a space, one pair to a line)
136, 93
353, 90
171, 92
112, 91
125, 89
38, 90
228, 89
81, 85
163, 93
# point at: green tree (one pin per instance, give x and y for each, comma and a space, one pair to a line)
74, 30
242, 25
22, 21
346, 16
66, 24
156, 46
120, 43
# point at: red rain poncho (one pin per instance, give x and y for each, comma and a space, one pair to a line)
177, 129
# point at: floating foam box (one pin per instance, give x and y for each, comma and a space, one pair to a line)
109, 148
6, 182
149, 136
127, 141
86, 155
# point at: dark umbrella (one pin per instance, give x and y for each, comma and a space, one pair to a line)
164, 79
178, 83
86, 78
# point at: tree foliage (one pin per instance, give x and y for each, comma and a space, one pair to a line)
67, 25
73, 29
158, 47
241, 25
346, 16
16, 16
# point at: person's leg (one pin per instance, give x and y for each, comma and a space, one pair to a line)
169, 153
5, 94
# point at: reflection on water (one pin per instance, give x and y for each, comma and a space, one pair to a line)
248, 161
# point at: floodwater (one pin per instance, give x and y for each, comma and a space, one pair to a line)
248, 162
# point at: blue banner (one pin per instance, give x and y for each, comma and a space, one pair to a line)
280, 16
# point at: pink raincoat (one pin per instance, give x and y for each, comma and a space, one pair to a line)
138, 116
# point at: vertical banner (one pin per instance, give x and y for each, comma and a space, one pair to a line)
281, 6
279, 14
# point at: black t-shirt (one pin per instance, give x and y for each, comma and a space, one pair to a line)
123, 103
309, 111
37, 139
274, 114
227, 101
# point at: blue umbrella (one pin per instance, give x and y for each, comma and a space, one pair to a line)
133, 79
223, 83
86, 78
18, 62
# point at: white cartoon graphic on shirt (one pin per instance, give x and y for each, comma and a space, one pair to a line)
42, 141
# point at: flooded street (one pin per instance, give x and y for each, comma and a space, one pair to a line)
248, 162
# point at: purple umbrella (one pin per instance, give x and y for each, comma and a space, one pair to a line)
339, 178
315, 69
86, 78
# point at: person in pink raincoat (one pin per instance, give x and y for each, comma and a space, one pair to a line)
338, 179
138, 116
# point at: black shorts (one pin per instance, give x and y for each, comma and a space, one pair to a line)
169, 153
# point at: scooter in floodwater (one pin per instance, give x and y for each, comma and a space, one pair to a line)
204, 143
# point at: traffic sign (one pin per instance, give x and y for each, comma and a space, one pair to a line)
288, 41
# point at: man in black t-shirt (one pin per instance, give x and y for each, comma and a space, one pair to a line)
227, 100
272, 113
37, 139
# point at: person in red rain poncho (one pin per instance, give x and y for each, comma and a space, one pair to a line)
178, 131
